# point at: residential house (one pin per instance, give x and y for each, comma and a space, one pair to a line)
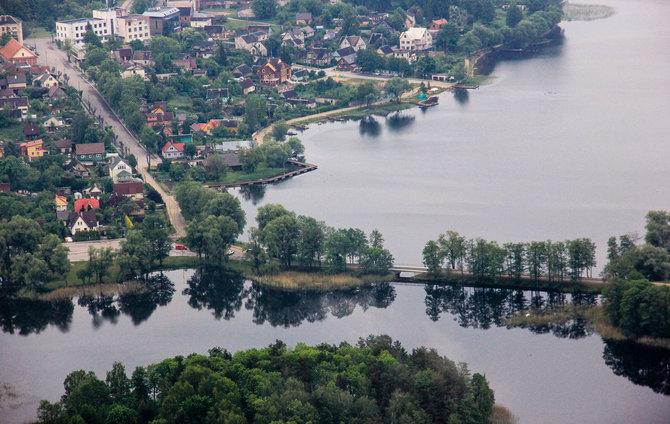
53, 122
120, 171
385, 50
158, 117
32, 149
218, 93
375, 39
232, 161
264, 28
251, 43
122, 55
86, 204
308, 31
173, 150
247, 86
348, 52
319, 57
303, 19
242, 71
17, 82
133, 190
217, 32
128, 71
56, 93
332, 34
143, 58
410, 55
16, 52
300, 74
347, 63
205, 48
90, 152
46, 80
31, 131
63, 146
76, 168
82, 221
93, 192
353, 41
437, 24
188, 63
18, 104
384, 26
201, 20
416, 39
12, 26
274, 72
60, 203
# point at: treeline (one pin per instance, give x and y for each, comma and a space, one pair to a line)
639, 308
377, 381
283, 235
29, 257
554, 261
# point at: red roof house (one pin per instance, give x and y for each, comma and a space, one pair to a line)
86, 204
15, 52
173, 150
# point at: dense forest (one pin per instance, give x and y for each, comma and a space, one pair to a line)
377, 381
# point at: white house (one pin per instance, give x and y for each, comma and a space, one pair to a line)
120, 171
173, 150
353, 41
416, 39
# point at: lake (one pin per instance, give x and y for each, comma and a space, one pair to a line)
570, 143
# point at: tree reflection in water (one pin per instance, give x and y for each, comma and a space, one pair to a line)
399, 121
254, 193
644, 366
217, 288
290, 309
483, 307
139, 306
28, 316
369, 126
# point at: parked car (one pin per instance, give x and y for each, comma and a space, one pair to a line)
180, 247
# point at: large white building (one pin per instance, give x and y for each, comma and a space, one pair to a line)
75, 29
105, 23
416, 39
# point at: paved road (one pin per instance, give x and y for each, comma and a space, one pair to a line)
52, 57
335, 73
79, 249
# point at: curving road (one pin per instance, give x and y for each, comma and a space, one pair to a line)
51, 56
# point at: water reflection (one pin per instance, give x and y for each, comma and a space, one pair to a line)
399, 121
27, 316
369, 126
140, 306
253, 193
290, 309
484, 307
461, 95
644, 366
102, 307
216, 288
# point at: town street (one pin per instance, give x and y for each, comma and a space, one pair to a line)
51, 56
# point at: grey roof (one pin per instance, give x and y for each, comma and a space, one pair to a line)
161, 12
90, 148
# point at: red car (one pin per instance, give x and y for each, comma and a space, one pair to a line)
180, 247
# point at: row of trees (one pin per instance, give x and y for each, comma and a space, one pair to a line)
29, 257
539, 259
144, 248
639, 307
287, 237
376, 381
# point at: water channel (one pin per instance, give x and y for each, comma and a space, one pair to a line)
570, 143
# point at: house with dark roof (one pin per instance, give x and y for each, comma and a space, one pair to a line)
90, 152
133, 190
143, 57
218, 93
247, 86
303, 18
31, 131
353, 41
122, 55
385, 50
319, 57
56, 92
82, 221
242, 71
375, 38
63, 146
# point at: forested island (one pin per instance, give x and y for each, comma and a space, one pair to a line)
376, 381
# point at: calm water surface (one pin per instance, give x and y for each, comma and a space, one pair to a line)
572, 143
552, 375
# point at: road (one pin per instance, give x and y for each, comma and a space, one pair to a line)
79, 249
52, 57
337, 74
